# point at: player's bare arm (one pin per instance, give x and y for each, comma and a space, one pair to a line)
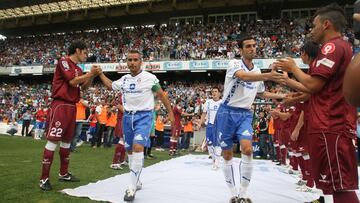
351, 84
270, 95
106, 81
252, 77
295, 134
165, 100
312, 83
79, 80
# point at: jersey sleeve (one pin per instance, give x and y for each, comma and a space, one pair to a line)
117, 85
233, 67
155, 84
261, 87
328, 61
64, 68
206, 106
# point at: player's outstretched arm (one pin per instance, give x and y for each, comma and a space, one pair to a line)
351, 84
86, 80
270, 95
252, 77
106, 81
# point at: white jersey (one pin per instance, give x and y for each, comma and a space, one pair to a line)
137, 94
239, 93
210, 109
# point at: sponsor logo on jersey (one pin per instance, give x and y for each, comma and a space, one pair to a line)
326, 62
246, 133
65, 65
138, 137
57, 124
223, 144
328, 48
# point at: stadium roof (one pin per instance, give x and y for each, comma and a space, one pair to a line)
11, 9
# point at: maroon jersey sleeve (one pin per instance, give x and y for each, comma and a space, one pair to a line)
329, 60
64, 69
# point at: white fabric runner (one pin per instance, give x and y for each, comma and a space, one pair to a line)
190, 179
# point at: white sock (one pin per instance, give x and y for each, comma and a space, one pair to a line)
135, 168
245, 169
36, 134
130, 158
217, 153
229, 177
211, 152
41, 133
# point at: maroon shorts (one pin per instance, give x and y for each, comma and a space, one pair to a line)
175, 131
61, 121
303, 144
276, 136
285, 138
294, 145
333, 162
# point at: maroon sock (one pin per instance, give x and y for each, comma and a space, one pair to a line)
278, 153
302, 167
64, 160
295, 163
348, 197
48, 157
309, 178
122, 153
291, 161
117, 153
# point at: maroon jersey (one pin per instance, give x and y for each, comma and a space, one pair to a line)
328, 110
177, 114
65, 71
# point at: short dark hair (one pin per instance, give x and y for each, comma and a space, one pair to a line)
134, 51
215, 87
76, 45
241, 41
311, 49
333, 13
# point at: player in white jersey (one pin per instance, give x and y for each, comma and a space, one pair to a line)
243, 82
209, 113
137, 90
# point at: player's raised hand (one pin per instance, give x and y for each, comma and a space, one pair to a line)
287, 64
96, 70
277, 76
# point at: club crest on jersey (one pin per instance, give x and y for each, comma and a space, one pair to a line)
65, 65
57, 124
328, 48
132, 86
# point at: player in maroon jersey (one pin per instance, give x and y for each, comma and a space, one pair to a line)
332, 121
60, 123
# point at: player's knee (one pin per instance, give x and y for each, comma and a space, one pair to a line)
227, 155
138, 148
247, 150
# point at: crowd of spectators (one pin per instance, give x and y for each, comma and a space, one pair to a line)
163, 42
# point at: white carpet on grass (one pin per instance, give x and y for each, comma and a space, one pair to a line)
190, 179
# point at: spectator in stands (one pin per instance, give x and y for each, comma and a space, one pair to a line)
26, 119
263, 134
101, 117
110, 126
